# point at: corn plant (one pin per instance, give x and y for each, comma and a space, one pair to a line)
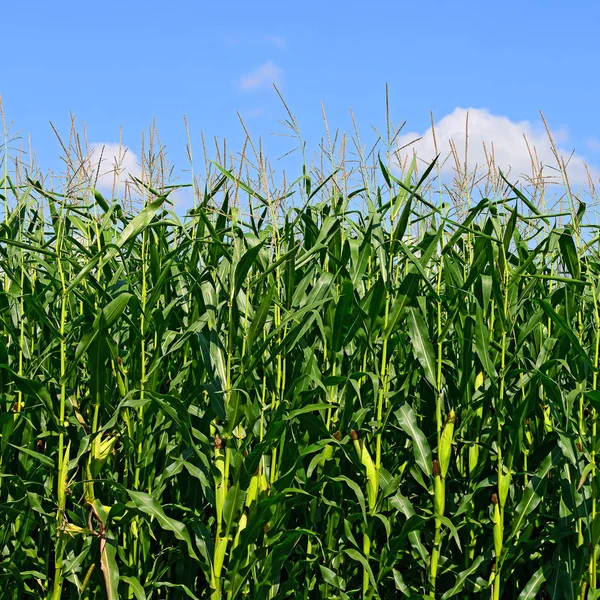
329, 390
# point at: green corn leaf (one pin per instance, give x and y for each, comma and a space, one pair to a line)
108, 564
357, 556
533, 586
462, 578
422, 452
148, 505
532, 495
422, 345
135, 587
244, 265
42, 458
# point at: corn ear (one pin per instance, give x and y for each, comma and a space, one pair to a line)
498, 528
72, 529
528, 435
121, 385
103, 448
445, 449
439, 496
367, 462
122, 380
134, 528
503, 487
62, 482
219, 557
220, 484
473, 457
433, 565
547, 420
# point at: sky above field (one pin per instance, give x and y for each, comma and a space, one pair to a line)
124, 64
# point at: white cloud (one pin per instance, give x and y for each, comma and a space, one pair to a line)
277, 40
263, 76
505, 136
114, 164
118, 165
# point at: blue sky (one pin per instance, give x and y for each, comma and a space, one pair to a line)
125, 63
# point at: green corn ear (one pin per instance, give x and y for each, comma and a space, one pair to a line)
474, 449
498, 529
73, 530
548, 420
439, 496
473, 457
219, 558
101, 450
122, 381
503, 487
367, 462
371, 479
221, 488
62, 482
121, 385
445, 449
366, 545
434, 565
105, 448
529, 438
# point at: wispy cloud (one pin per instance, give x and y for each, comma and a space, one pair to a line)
593, 145
113, 164
263, 76
488, 131
277, 40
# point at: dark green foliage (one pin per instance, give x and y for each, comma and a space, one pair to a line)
256, 407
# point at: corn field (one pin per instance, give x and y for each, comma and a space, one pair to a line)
324, 391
